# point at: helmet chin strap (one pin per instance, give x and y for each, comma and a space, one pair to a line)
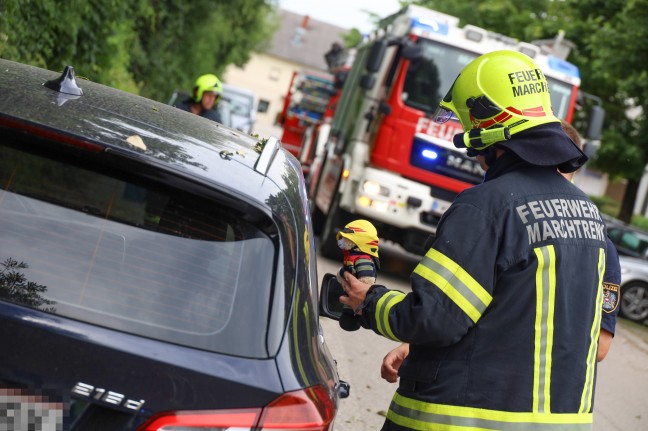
479, 139
489, 154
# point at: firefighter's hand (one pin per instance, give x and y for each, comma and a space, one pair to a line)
356, 291
392, 362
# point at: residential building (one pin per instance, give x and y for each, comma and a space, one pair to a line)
300, 43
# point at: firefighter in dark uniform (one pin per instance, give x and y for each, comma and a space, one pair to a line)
505, 310
611, 281
611, 278
611, 296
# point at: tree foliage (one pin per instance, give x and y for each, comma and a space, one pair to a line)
150, 47
15, 287
611, 39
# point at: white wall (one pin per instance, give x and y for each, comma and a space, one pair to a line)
642, 195
269, 77
592, 182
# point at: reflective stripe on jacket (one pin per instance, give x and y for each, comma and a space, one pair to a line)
412, 414
505, 310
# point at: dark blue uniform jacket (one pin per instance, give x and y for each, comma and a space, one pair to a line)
505, 312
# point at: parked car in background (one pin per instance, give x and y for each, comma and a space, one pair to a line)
237, 106
157, 269
629, 241
632, 246
633, 303
243, 106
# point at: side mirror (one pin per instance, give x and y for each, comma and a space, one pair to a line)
595, 123
367, 81
329, 302
376, 55
384, 108
411, 52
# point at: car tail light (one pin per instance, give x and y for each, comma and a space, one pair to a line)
310, 409
207, 420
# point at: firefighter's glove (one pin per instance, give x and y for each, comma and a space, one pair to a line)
349, 321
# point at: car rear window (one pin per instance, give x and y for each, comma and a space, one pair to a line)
111, 249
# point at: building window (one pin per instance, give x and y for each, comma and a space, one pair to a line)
274, 74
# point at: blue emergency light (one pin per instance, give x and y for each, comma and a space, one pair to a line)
563, 66
430, 25
430, 154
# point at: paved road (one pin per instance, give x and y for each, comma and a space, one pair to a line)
622, 385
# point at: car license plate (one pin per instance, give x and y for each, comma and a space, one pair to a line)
21, 411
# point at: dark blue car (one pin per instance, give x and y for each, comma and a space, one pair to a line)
157, 270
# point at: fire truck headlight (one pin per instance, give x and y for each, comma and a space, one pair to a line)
372, 188
364, 201
380, 206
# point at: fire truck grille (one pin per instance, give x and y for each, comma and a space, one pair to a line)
443, 194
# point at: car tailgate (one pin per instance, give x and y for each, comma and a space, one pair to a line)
119, 379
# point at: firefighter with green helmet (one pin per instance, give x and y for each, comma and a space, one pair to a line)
206, 93
505, 310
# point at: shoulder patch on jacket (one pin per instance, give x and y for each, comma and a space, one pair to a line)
610, 297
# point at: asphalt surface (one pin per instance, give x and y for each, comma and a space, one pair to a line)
622, 383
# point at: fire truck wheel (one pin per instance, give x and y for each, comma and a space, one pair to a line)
336, 219
318, 219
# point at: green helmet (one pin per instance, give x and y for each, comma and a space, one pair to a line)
207, 82
496, 96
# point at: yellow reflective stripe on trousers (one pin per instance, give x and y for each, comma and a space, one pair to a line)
383, 306
419, 415
588, 389
544, 328
455, 282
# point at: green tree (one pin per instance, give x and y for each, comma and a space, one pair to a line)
352, 38
144, 46
183, 40
94, 36
15, 287
612, 40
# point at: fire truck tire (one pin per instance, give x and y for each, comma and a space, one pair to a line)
318, 218
335, 221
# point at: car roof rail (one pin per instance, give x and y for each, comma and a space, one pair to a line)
268, 153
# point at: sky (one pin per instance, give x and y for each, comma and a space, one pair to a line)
343, 13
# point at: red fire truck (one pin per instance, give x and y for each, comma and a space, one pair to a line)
382, 158
304, 107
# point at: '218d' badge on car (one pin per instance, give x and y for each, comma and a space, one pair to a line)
610, 297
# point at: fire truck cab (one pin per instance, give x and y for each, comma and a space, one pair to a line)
304, 108
384, 159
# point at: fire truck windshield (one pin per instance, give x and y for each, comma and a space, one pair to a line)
429, 78
560, 97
